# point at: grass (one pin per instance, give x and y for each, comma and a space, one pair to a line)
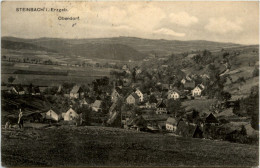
102, 146
76, 74
199, 104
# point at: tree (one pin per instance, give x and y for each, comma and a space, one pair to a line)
86, 113
223, 96
174, 107
255, 72
11, 79
249, 106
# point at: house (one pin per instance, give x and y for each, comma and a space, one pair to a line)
171, 124
36, 91
189, 84
96, 106
189, 130
83, 102
125, 67
133, 99
183, 81
70, 115
150, 105
51, 115
161, 108
211, 120
43, 88
165, 87
152, 99
113, 114
128, 71
18, 90
197, 90
116, 94
138, 71
173, 94
186, 79
250, 131
126, 82
59, 89
138, 123
161, 125
140, 95
76, 92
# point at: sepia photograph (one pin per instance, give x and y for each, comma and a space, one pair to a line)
136, 83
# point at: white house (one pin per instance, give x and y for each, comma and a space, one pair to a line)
140, 95
173, 94
70, 115
133, 99
51, 115
171, 124
76, 92
161, 108
115, 94
197, 90
18, 90
138, 71
125, 67
96, 106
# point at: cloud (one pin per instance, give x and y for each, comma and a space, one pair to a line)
112, 15
182, 18
170, 32
221, 25
149, 17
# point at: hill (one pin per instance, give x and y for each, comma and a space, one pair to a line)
19, 45
120, 47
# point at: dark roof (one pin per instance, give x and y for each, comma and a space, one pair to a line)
211, 119
199, 86
153, 99
37, 90
42, 88
189, 84
118, 89
149, 117
135, 95
188, 130
161, 105
112, 117
171, 121
165, 86
19, 88
174, 90
139, 121
112, 108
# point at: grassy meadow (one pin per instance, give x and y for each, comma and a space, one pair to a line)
78, 75
99, 146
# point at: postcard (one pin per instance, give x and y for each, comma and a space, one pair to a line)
139, 84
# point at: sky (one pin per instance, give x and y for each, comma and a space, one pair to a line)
233, 21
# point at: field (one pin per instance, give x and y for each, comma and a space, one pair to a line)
102, 146
200, 105
78, 75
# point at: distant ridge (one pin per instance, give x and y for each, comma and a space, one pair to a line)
116, 48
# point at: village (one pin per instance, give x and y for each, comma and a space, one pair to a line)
128, 102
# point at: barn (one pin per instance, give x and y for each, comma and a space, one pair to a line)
51, 115
70, 115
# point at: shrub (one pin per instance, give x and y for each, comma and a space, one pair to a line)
255, 72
